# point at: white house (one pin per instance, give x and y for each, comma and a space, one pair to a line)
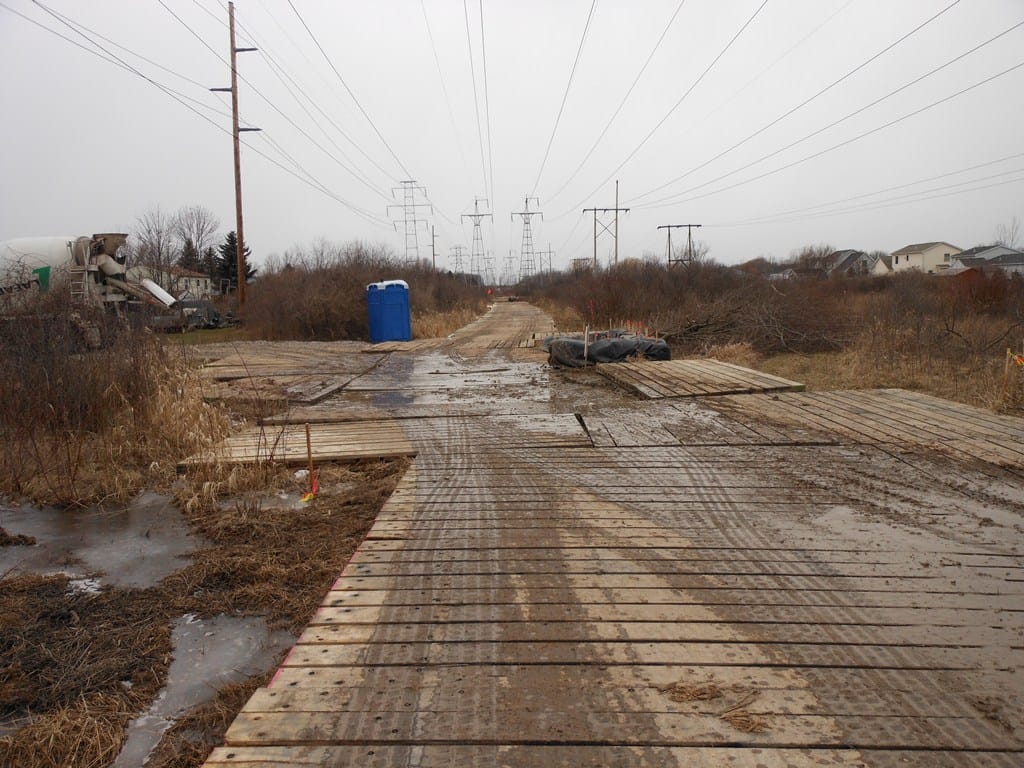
924, 257
183, 283
981, 255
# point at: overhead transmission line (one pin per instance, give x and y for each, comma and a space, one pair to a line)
782, 214
476, 98
444, 88
349, 90
111, 58
622, 103
671, 111
565, 96
295, 90
104, 55
805, 102
834, 147
353, 173
907, 199
359, 105
487, 105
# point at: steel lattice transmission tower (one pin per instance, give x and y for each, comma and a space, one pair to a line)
527, 257
455, 259
479, 263
409, 221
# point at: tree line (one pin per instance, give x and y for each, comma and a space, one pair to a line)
187, 239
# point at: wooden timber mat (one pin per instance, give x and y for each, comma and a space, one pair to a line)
894, 416
354, 440
523, 609
306, 373
689, 422
416, 345
340, 410
692, 378
350, 441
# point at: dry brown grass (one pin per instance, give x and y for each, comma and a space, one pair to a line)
76, 667
437, 325
84, 426
191, 739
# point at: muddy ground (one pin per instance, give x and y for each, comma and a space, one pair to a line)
135, 633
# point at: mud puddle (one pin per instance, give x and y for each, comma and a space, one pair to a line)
208, 654
132, 546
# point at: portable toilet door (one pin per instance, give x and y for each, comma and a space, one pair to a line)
390, 317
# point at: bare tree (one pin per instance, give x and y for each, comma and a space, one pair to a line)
1009, 234
154, 245
698, 255
196, 225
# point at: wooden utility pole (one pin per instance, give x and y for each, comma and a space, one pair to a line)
235, 131
433, 248
614, 232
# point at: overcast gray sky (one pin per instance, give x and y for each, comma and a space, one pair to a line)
773, 123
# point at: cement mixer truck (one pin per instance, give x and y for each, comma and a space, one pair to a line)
89, 267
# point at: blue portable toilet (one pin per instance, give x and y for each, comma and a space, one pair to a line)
388, 306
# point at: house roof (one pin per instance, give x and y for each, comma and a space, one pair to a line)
886, 259
1016, 257
983, 250
971, 261
845, 259
920, 248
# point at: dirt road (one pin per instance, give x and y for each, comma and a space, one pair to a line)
571, 575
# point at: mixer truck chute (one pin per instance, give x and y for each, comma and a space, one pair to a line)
90, 267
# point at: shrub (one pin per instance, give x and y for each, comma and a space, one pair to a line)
320, 294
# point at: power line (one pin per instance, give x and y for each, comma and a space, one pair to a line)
487, 103
622, 103
565, 96
444, 88
675, 106
476, 99
808, 100
834, 147
354, 174
784, 214
347, 89
183, 100
910, 197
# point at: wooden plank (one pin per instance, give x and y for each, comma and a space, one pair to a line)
692, 378
330, 442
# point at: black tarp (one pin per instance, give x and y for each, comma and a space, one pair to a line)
606, 347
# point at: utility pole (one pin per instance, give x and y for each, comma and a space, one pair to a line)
433, 248
544, 259
477, 257
605, 228
239, 233
527, 260
669, 255
409, 205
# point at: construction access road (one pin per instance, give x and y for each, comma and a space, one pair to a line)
726, 572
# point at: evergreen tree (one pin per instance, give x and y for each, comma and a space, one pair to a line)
227, 263
190, 258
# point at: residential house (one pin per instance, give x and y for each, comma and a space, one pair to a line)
924, 257
1011, 263
989, 257
882, 264
847, 263
184, 284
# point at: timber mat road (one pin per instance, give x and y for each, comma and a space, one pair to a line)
570, 575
